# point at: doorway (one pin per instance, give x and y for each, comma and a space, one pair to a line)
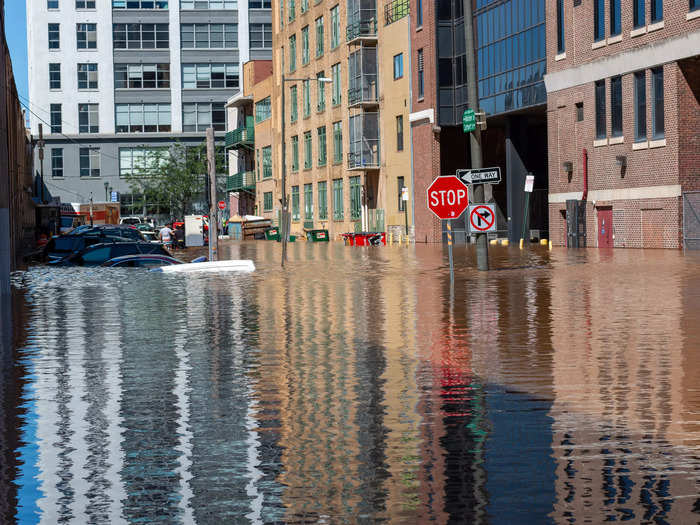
605, 227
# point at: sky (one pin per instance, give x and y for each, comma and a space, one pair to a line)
16, 32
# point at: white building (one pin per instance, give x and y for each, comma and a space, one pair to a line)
112, 82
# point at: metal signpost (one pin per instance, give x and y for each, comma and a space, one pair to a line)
529, 183
448, 197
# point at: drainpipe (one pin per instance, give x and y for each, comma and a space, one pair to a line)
585, 175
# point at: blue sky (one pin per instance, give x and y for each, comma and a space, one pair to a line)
16, 31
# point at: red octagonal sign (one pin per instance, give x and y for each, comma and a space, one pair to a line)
448, 197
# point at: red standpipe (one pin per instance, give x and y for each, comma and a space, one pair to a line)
585, 175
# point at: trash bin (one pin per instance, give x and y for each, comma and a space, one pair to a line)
370, 239
317, 235
272, 234
292, 238
349, 239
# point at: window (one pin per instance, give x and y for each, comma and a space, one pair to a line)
335, 75
88, 118
257, 164
321, 86
54, 37
693, 5
292, 53
398, 66
308, 202
87, 76
616, 106
263, 110
208, 4
304, 6
205, 76
305, 45
657, 11
399, 133
281, 4
267, 162
337, 142
638, 13
198, 116
640, 106
86, 35
57, 162
579, 111
292, 10
338, 204
135, 161
335, 27
140, 36
56, 118
307, 150
615, 18
657, 109
400, 184
54, 76
295, 203
421, 84
293, 114
259, 4
322, 148
260, 36
355, 198
600, 132
321, 188
419, 14
306, 98
209, 36
85, 4
51, 4
138, 76
89, 162
560, 26
295, 153
267, 201
319, 36
599, 20
139, 118
140, 4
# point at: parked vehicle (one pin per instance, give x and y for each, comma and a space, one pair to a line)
152, 260
132, 220
62, 246
113, 230
98, 254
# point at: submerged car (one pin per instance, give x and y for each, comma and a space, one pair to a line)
111, 230
62, 246
100, 253
152, 260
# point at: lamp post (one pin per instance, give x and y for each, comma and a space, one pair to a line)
284, 227
106, 191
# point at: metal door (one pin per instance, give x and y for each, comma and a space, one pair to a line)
691, 220
605, 228
575, 224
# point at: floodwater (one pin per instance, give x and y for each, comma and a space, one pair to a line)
357, 386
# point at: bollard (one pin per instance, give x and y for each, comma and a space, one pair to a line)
391, 238
521, 243
505, 242
550, 246
543, 242
493, 242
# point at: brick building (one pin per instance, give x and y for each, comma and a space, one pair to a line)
623, 118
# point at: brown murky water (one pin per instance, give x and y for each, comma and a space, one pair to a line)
358, 386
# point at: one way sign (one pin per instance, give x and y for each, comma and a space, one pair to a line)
482, 218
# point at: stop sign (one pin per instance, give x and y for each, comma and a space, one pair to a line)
448, 197
222, 205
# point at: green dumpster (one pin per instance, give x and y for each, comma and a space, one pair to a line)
317, 235
292, 238
272, 234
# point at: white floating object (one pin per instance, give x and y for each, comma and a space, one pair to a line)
240, 265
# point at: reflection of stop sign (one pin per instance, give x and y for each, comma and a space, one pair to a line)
222, 205
447, 197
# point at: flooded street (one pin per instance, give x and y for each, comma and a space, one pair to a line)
357, 386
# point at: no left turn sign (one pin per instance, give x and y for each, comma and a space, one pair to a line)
482, 218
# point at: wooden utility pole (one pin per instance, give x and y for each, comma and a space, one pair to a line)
213, 210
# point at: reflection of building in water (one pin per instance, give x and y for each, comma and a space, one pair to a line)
623, 447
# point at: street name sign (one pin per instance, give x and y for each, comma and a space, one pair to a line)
468, 120
482, 218
447, 197
480, 176
222, 205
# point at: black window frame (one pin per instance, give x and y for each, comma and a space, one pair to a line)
55, 75
399, 132
86, 74
638, 13
85, 28
656, 12
640, 106
598, 20
88, 110
57, 163
616, 106
600, 118
615, 17
561, 43
56, 29
658, 124
56, 112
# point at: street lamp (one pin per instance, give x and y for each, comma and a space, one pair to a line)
106, 191
284, 227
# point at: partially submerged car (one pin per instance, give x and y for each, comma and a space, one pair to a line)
98, 254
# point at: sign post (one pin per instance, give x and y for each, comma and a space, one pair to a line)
529, 183
448, 197
404, 198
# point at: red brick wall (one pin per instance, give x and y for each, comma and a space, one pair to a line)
688, 81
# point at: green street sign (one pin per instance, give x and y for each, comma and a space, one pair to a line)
468, 120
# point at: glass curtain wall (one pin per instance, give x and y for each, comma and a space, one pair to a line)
364, 141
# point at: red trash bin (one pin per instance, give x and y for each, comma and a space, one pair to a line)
349, 239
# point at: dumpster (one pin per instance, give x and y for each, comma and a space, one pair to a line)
272, 234
370, 239
317, 235
292, 238
349, 238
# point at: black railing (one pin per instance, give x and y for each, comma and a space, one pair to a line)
395, 10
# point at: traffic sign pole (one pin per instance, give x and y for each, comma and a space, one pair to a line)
449, 248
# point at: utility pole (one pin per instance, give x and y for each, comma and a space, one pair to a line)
213, 212
41, 160
284, 234
482, 245
91, 220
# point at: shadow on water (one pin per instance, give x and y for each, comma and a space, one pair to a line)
357, 386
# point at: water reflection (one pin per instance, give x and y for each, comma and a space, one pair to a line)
357, 386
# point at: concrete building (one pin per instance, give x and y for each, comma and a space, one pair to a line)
111, 83
623, 90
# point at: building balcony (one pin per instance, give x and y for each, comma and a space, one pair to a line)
362, 77
243, 137
365, 30
242, 181
364, 155
395, 10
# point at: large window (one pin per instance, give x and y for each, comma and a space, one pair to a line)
335, 27
259, 4
142, 118
56, 118
322, 147
399, 133
198, 116
86, 36
292, 53
140, 160
88, 118
335, 76
640, 106
208, 4
260, 35
307, 150
600, 132
319, 36
209, 36
57, 162
281, 4
141, 76
598, 20
657, 10
615, 18
398, 66
305, 45
295, 203
419, 14
638, 13
292, 10
693, 5
355, 198
87, 76
54, 36
267, 201
616, 106
308, 202
89, 162
140, 4
657, 108
338, 204
306, 97
263, 110
140, 36
321, 87
421, 84
293, 114
304, 6
85, 4
295, 153
337, 142
322, 188
54, 76
51, 4
204, 76
561, 46
267, 162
